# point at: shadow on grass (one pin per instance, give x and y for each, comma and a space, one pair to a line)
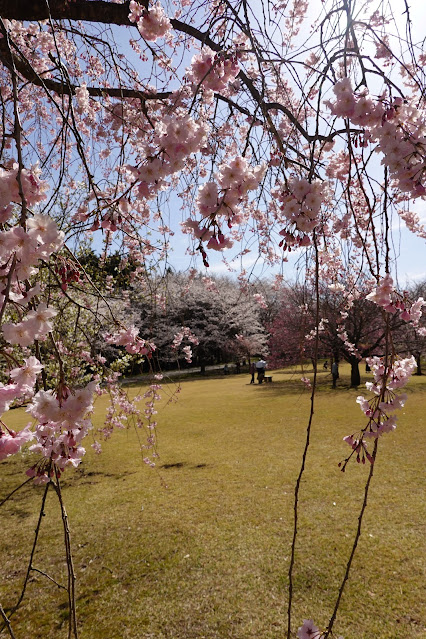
294, 386
181, 465
196, 376
291, 386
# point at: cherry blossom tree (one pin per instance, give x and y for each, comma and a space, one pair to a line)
268, 136
411, 339
351, 327
290, 331
217, 313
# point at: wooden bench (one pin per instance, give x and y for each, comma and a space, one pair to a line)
268, 379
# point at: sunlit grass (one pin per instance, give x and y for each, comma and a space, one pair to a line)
199, 547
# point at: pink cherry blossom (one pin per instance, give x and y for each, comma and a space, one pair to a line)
8, 393
25, 376
11, 442
152, 23
308, 630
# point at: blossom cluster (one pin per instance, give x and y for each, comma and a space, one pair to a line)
300, 204
82, 97
384, 295
123, 412
33, 189
212, 71
260, 300
398, 128
62, 424
413, 223
223, 199
21, 248
185, 332
129, 338
60, 413
24, 247
381, 407
35, 325
350, 347
175, 139
11, 442
402, 139
61, 420
310, 631
152, 23
361, 109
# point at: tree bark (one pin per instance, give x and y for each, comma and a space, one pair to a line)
419, 363
355, 375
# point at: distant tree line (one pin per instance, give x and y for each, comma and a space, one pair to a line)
350, 327
231, 323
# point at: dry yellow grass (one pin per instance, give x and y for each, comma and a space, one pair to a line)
199, 547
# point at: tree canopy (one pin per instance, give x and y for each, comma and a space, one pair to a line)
215, 319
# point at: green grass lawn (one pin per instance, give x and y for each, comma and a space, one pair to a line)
199, 547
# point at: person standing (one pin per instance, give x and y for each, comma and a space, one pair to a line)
335, 372
260, 367
252, 371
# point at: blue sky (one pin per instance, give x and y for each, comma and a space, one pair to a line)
409, 248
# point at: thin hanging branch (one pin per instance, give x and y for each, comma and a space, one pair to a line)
72, 622
305, 450
354, 545
7, 622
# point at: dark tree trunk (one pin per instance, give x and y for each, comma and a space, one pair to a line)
419, 364
355, 376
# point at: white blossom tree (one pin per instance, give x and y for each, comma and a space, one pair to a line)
216, 312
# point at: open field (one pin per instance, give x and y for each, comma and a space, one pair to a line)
199, 547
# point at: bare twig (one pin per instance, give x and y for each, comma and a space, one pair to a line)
72, 626
33, 549
41, 572
305, 451
3, 501
354, 546
6, 622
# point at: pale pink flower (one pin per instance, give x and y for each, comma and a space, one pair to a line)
260, 300
44, 406
7, 394
11, 442
38, 321
308, 630
82, 97
97, 447
187, 350
306, 381
45, 230
26, 375
213, 73
22, 333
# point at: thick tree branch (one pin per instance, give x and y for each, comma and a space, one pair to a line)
117, 14
25, 69
93, 11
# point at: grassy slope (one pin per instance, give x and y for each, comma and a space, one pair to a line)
207, 556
